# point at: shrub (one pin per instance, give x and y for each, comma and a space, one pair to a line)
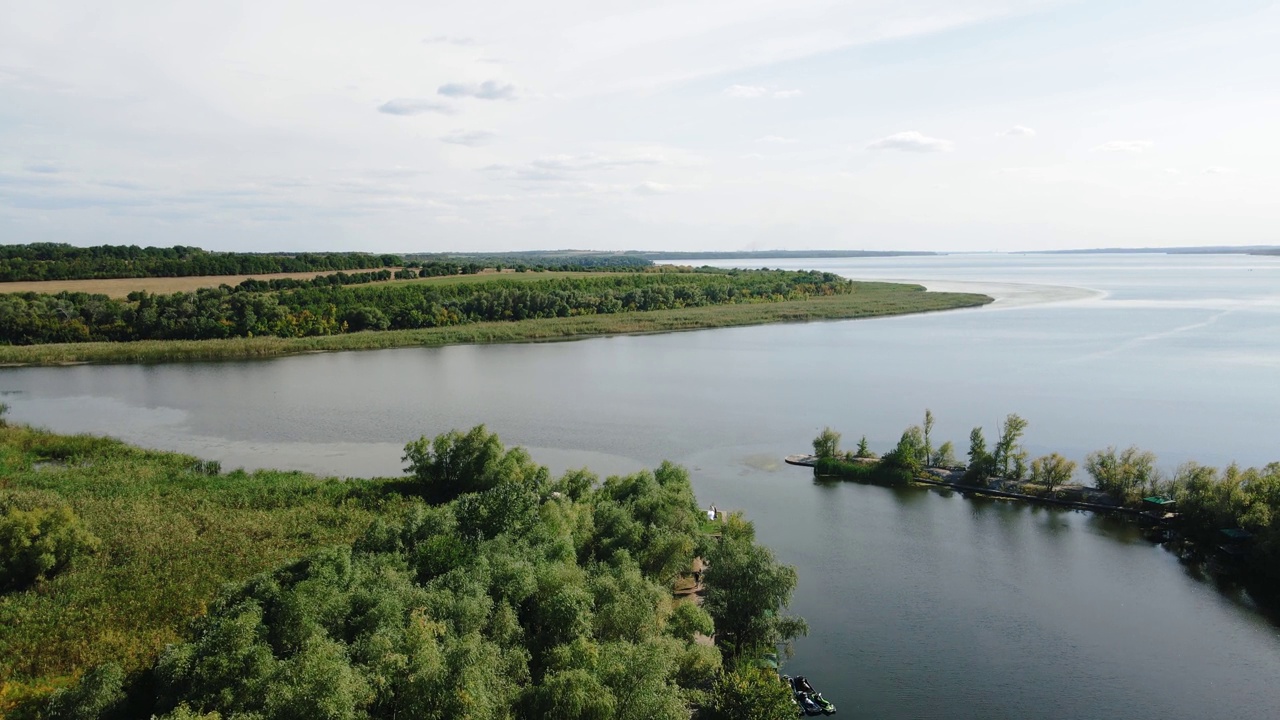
98, 692
36, 541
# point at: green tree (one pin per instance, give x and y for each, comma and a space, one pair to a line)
1009, 457
827, 444
750, 692
686, 619
1052, 471
1125, 474
574, 694
864, 450
99, 692
747, 590
946, 455
908, 456
454, 463
981, 462
928, 437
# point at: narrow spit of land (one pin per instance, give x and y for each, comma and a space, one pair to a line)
1072, 496
870, 300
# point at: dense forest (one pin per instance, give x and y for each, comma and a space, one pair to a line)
1243, 502
323, 307
493, 592
56, 261
542, 260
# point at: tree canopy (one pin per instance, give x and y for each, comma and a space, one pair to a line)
513, 596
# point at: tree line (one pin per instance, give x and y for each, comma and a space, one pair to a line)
542, 260
59, 261
504, 594
331, 306
1208, 500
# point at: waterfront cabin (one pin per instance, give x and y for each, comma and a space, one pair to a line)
1159, 509
1236, 536
1238, 544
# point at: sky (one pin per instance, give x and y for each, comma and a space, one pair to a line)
389, 126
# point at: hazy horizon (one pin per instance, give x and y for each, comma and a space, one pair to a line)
958, 126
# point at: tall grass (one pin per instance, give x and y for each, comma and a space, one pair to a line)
171, 534
869, 300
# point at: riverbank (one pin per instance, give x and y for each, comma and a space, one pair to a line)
870, 300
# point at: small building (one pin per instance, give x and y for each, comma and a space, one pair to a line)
1238, 544
1159, 509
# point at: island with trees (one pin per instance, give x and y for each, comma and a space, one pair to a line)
138, 584
1229, 517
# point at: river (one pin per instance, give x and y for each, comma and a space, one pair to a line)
922, 605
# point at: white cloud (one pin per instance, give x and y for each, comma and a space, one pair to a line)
1217, 170
414, 106
746, 91
911, 141
653, 188
593, 161
1132, 147
776, 140
292, 115
470, 138
487, 90
449, 40
1172, 171
759, 91
1019, 131
562, 168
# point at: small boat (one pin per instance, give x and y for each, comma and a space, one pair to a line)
801, 686
807, 704
828, 707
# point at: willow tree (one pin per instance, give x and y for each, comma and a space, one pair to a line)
747, 592
1051, 471
827, 444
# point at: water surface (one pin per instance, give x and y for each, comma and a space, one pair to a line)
922, 605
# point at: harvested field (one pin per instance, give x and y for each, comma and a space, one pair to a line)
121, 287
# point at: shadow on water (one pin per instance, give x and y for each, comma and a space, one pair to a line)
1001, 515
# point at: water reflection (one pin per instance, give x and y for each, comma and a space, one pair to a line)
922, 603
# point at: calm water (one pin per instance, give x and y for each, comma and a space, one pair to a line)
921, 605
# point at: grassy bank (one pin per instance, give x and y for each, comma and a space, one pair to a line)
171, 533
869, 300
